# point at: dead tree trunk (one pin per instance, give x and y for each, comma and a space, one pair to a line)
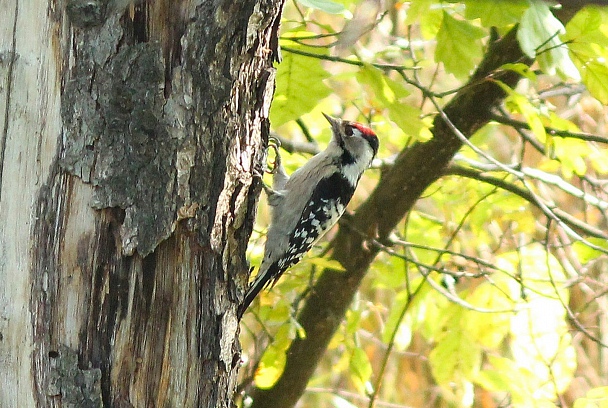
129, 137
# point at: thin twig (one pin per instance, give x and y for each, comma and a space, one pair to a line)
588, 137
565, 217
569, 312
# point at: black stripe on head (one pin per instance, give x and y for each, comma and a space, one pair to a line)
346, 158
373, 142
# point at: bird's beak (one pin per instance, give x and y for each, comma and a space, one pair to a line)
335, 123
331, 120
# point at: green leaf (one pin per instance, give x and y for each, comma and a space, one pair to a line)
495, 13
391, 94
585, 253
538, 270
388, 272
270, 368
430, 21
299, 85
600, 393
384, 89
493, 380
538, 36
454, 357
522, 69
272, 309
587, 35
360, 368
595, 77
458, 45
325, 263
408, 118
417, 9
394, 322
427, 231
353, 321
488, 329
502, 376
588, 26
537, 28
327, 6
572, 154
273, 360
521, 104
595, 398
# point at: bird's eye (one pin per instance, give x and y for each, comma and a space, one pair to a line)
348, 130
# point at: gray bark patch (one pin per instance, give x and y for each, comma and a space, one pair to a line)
117, 134
76, 387
86, 13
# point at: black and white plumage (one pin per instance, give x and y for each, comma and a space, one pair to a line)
307, 204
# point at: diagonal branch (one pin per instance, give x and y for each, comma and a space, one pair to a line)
414, 170
579, 226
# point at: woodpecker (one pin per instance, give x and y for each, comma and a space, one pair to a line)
307, 204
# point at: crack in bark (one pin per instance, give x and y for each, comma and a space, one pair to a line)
11, 56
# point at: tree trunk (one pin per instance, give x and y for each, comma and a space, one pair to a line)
129, 137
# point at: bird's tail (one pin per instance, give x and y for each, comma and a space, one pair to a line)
262, 280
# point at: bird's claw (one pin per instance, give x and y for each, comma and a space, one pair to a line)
274, 144
259, 174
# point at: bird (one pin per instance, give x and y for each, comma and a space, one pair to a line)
307, 204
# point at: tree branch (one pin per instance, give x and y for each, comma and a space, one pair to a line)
587, 137
569, 220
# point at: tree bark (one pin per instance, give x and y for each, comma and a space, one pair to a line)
130, 133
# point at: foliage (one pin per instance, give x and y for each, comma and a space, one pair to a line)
492, 290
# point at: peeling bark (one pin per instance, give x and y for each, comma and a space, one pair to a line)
130, 135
